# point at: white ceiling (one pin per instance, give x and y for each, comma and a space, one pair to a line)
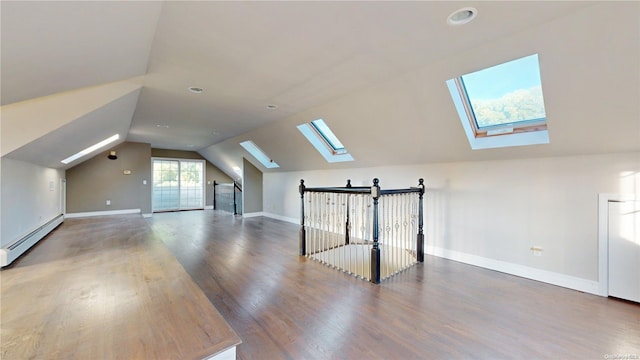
374, 71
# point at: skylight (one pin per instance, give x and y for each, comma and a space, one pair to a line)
90, 149
328, 136
257, 153
502, 105
325, 141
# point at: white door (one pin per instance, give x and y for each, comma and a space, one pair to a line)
624, 249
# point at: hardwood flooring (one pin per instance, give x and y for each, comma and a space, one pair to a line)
108, 288
105, 288
287, 307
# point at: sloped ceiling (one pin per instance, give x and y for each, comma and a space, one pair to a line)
375, 71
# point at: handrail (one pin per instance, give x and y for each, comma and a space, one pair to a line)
343, 190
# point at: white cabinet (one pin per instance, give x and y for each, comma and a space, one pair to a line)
624, 249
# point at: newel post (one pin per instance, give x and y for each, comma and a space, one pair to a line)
420, 245
375, 250
347, 225
303, 241
214, 194
235, 209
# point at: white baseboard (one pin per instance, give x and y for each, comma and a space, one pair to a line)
146, 216
19, 246
281, 218
208, 207
567, 281
101, 213
253, 214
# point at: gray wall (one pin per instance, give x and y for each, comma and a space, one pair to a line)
212, 172
93, 182
251, 188
30, 197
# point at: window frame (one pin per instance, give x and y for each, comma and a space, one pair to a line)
326, 138
322, 144
518, 133
539, 124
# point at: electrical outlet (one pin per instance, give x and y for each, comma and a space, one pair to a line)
108, 202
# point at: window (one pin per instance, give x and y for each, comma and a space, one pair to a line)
91, 149
328, 136
325, 141
257, 153
178, 184
502, 105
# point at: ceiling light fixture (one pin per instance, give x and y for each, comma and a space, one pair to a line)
272, 107
462, 16
112, 155
196, 90
162, 126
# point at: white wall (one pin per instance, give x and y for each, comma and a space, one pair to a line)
496, 210
30, 197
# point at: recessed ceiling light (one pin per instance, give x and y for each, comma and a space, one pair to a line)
272, 107
196, 90
462, 16
162, 126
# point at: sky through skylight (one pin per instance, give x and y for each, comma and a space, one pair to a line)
506, 93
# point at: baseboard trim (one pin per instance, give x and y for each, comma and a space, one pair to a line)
282, 218
253, 214
19, 246
101, 213
146, 216
208, 207
567, 281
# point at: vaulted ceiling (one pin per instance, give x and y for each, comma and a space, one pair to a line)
374, 71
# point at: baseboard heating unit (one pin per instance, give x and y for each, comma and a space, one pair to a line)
18, 247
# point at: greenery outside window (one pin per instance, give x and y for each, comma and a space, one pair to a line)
502, 105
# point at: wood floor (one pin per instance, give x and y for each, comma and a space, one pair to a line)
283, 306
105, 288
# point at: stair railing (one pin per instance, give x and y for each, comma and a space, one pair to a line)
365, 231
227, 197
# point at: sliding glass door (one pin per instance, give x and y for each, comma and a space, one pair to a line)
178, 184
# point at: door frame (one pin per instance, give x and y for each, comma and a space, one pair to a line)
603, 237
179, 160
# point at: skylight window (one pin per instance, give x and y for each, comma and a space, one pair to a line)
325, 141
90, 149
260, 155
502, 105
328, 136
